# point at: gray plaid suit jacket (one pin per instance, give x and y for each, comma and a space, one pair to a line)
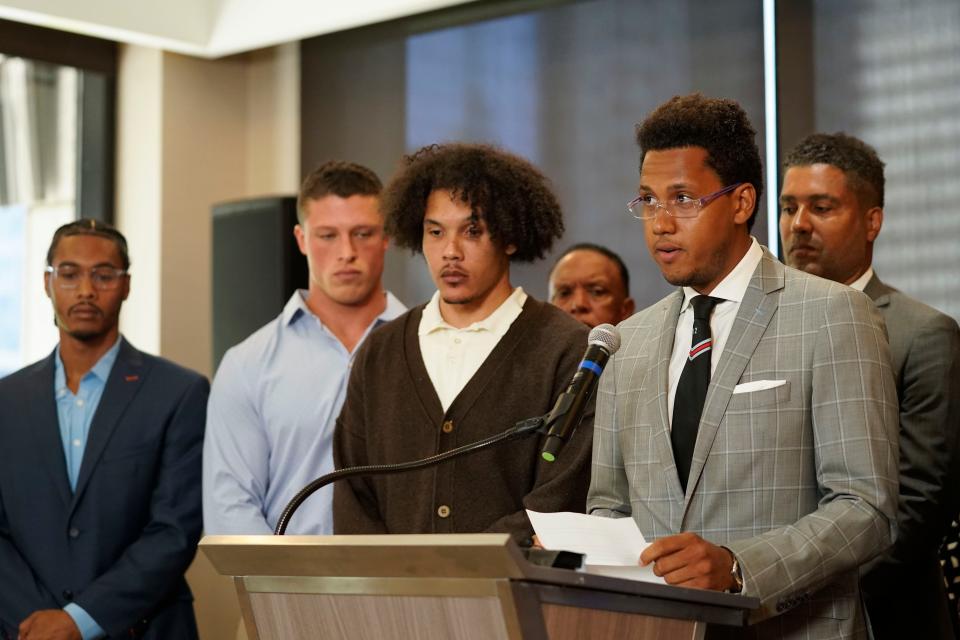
799, 481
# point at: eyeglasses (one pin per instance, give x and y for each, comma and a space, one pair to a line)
68, 276
644, 207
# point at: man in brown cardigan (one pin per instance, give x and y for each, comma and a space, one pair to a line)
479, 357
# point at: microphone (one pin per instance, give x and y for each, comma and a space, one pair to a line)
603, 342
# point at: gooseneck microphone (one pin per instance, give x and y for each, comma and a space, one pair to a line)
558, 425
603, 342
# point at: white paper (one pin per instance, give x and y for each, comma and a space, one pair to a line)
612, 546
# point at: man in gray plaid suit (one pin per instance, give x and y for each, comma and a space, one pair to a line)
785, 481
831, 212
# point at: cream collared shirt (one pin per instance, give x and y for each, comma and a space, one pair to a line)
452, 356
731, 290
861, 283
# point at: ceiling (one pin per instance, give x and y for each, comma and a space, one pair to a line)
210, 28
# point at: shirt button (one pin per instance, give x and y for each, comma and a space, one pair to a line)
456, 340
74, 532
447, 426
79, 402
77, 442
443, 511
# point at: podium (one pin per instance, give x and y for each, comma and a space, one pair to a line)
463, 586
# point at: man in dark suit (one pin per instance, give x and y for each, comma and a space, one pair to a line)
100, 449
831, 211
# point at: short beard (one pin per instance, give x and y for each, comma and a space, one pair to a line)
466, 300
700, 276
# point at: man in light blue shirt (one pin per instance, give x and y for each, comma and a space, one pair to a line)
277, 395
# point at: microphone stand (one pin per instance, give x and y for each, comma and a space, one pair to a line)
519, 430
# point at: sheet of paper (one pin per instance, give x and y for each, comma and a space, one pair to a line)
612, 546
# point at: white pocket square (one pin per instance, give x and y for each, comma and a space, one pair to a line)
758, 385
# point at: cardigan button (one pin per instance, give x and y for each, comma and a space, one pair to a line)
443, 511
447, 426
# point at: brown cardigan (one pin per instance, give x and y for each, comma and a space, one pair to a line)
393, 414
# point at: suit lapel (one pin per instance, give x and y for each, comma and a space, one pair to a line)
756, 310
878, 291
664, 351
125, 380
40, 414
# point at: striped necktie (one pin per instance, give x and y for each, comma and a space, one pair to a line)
692, 387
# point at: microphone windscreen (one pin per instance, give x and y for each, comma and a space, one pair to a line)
605, 336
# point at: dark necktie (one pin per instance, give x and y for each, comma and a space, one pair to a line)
692, 387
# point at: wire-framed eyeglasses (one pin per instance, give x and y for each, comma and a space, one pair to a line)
644, 206
69, 276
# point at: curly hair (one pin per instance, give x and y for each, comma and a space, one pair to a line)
511, 195
720, 126
859, 162
343, 179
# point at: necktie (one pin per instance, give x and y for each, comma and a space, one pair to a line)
692, 387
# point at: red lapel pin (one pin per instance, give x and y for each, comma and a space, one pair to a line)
131, 378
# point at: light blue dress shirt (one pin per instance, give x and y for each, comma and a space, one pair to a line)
75, 413
270, 419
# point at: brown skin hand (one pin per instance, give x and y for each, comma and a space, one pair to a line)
49, 624
687, 560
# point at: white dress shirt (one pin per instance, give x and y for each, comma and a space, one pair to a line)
861, 283
453, 355
731, 290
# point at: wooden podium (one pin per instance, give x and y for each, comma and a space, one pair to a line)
476, 586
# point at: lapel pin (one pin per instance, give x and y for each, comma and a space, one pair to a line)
131, 378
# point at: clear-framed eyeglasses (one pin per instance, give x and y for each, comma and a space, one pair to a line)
644, 207
69, 276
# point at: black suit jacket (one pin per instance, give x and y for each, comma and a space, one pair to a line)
120, 544
903, 589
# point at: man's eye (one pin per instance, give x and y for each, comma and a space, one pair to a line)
433, 232
597, 292
326, 236
648, 200
68, 276
788, 209
363, 235
821, 209
683, 198
561, 293
474, 232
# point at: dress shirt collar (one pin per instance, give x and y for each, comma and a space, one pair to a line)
734, 286
101, 369
498, 322
861, 283
297, 306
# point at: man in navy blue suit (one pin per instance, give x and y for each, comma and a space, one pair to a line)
100, 450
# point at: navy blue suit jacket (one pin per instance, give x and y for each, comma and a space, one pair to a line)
120, 544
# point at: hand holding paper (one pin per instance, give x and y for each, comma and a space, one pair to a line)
612, 546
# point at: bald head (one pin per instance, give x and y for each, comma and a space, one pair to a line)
592, 285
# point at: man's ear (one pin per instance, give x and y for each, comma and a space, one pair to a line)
874, 219
511, 249
299, 234
629, 306
745, 200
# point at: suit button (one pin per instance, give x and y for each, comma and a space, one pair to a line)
67, 594
447, 426
74, 532
443, 511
